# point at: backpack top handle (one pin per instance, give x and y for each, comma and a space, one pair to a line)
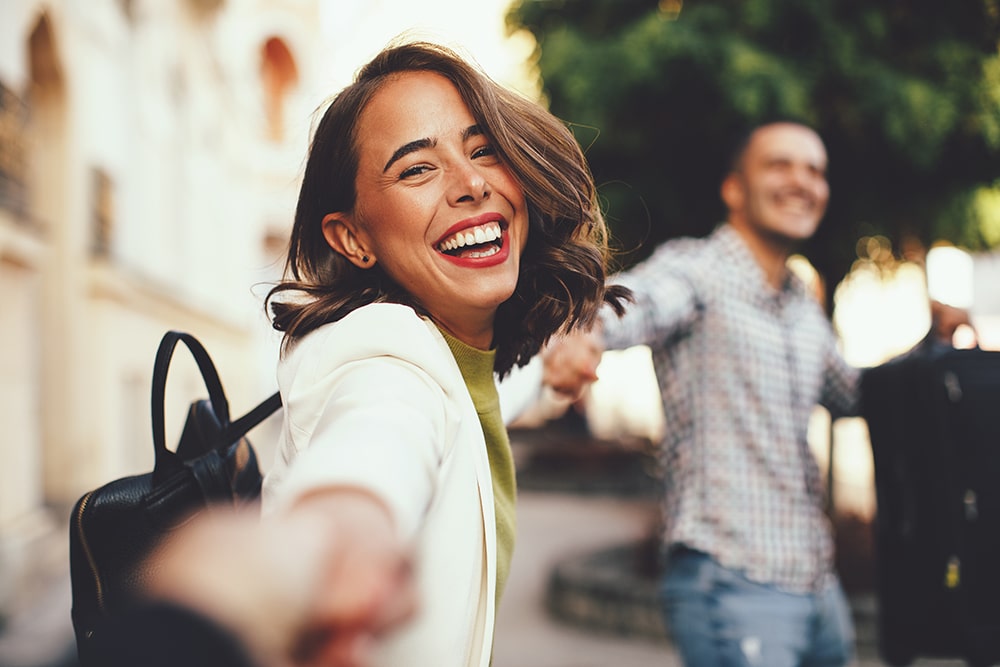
166, 461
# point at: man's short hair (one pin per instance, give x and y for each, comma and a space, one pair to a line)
742, 137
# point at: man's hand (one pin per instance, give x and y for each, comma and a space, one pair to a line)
570, 362
945, 320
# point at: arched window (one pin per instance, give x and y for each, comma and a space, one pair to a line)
46, 71
46, 98
278, 76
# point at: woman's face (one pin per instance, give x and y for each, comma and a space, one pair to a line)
435, 206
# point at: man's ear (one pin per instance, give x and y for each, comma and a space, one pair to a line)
343, 235
732, 192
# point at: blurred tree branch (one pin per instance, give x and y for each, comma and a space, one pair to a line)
906, 94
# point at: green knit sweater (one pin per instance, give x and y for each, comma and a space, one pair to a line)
477, 371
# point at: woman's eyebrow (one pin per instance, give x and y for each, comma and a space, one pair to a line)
406, 149
472, 131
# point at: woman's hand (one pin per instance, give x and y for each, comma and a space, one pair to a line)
313, 587
570, 362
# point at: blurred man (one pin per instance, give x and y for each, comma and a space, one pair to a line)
742, 353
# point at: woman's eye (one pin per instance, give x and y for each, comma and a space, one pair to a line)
415, 170
484, 151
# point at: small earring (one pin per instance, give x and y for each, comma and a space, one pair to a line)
364, 258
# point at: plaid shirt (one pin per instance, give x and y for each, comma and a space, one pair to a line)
740, 367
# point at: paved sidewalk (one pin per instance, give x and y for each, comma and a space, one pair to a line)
41, 635
554, 526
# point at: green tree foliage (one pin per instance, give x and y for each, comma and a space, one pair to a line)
906, 94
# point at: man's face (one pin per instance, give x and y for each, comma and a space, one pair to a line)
780, 191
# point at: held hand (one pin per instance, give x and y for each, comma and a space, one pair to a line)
945, 320
570, 362
314, 587
365, 591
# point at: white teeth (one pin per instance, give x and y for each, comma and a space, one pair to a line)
492, 250
482, 234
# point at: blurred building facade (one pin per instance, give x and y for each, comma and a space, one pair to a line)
149, 158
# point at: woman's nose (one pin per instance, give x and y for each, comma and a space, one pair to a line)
468, 185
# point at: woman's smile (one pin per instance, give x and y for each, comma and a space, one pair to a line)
479, 241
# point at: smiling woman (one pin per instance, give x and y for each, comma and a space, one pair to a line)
446, 228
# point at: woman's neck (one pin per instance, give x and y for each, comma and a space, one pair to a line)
478, 335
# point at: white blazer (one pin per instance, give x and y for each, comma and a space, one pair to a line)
377, 400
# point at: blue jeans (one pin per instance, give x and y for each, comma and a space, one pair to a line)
719, 618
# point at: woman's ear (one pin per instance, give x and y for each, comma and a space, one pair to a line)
343, 235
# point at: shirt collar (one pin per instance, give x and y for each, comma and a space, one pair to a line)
742, 269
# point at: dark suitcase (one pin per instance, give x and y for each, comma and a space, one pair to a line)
934, 420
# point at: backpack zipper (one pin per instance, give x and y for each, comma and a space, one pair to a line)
87, 552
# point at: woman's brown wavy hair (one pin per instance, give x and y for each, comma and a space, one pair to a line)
563, 266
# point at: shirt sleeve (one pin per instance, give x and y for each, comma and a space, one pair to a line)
520, 389
160, 634
841, 392
665, 303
